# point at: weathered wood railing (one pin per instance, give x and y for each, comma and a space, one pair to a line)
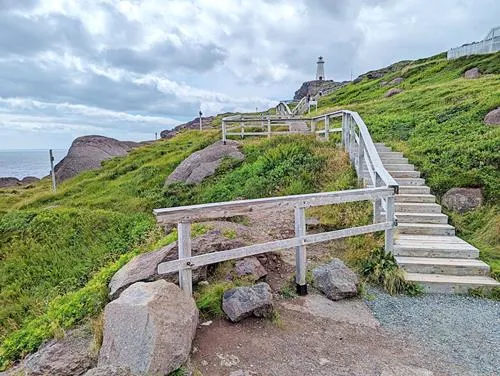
184, 216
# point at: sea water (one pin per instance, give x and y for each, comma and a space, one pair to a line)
21, 163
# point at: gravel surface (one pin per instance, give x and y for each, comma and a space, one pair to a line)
464, 329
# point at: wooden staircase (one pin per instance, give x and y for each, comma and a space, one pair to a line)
425, 245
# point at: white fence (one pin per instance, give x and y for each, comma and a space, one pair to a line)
489, 45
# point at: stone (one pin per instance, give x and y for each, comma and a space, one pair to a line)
250, 266
149, 329
9, 181
313, 88
242, 302
108, 371
206, 122
472, 73
144, 267
392, 92
29, 180
87, 153
69, 356
493, 117
203, 163
396, 81
336, 280
383, 83
462, 199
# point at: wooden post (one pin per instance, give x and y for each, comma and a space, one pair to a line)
313, 126
377, 203
223, 132
52, 172
361, 158
300, 252
184, 244
327, 127
268, 128
352, 138
389, 217
201, 124
242, 129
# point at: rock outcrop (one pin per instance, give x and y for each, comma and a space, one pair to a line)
314, 87
87, 153
472, 73
144, 267
203, 163
206, 122
493, 117
242, 302
375, 74
149, 329
69, 356
392, 92
462, 199
10, 181
395, 81
336, 280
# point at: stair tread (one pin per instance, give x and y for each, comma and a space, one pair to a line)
431, 238
417, 245
419, 214
441, 261
455, 279
427, 225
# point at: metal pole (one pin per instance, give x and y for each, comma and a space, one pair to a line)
201, 124
300, 252
184, 245
52, 172
389, 233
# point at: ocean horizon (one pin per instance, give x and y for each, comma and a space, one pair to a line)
20, 163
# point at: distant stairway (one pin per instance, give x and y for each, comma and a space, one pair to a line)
425, 245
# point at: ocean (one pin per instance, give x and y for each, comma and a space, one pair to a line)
21, 163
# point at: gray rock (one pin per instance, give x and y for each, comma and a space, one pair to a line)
9, 181
203, 163
242, 302
462, 199
144, 267
69, 356
396, 81
493, 117
336, 280
206, 121
250, 266
314, 87
383, 83
29, 179
87, 153
472, 73
108, 371
392, 92
149, 329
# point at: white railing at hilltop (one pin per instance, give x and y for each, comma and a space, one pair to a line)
356, 140
488, 45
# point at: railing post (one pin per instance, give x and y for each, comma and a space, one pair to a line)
223, 132
377, 204
360, 158
313, 126
184, 245
389, 217
327, 127
242, 129
352, 138
300, 252
344, 131
268, 128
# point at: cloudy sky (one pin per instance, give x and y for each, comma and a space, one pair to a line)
127, 69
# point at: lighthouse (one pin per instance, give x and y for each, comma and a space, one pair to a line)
320, 70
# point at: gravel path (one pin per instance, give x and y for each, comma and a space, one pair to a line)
463, 329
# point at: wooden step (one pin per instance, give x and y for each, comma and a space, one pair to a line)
414, 189
422, 217
411, 207
450, 266
404, 174
392, 160
450, 284
399, 167
426, 229
410, 181
415, 198
392, 154
442, 250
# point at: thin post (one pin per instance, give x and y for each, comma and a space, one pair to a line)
223, 132
52, 172
327, 127
184, 244
389, 217
313, 126
300, 252
377, 203
268, 128
352, 138
360, 158
242, 129
344, 132
201, 124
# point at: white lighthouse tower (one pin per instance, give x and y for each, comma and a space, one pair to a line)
320, 71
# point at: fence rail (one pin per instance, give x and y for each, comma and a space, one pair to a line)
357, 142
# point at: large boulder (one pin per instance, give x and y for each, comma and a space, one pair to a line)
203, 163
493, 117
87, 153
242, 302
336, 280
144, 267
472, 73
462, 199
69, 356
149, 329
29, 180
108, 371
318, 86
392, 92
9, 181
250, 266
396, 81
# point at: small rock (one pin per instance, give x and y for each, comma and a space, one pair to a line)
493, 117
462, 199
228, 360
324, 361
396, 81
242, 302
312, 221
149, 328
108, 371
336, 280
392, 92
472, 73
383, 83
250, 266
203, 283
207, 323
204, 363
69, 356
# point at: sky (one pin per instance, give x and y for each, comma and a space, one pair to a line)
127, 69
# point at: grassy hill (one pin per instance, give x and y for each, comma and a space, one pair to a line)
58, 251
